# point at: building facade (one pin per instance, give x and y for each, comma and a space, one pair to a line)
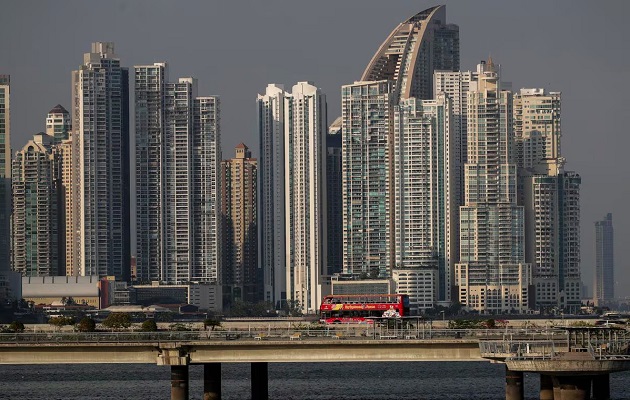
368, 184
36, 200
411, 53
491, 276
100, 113
303, 161
58, 123
424, 202
551, 197
334, 195
68, 186
271, 192
241, 275
604, 261
552, 237
376, 208
177, 179
5, 172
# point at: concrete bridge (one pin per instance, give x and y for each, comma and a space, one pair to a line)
178, 350
576, 368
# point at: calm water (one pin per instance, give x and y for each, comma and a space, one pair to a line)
321, 381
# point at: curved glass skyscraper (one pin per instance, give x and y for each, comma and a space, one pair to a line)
417, 47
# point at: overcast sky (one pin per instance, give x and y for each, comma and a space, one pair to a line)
235, 48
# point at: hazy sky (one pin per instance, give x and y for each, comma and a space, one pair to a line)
235, 48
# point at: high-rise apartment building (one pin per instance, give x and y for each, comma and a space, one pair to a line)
552, 238
149, 101
334, 194
68, 213
491, 276
401, 69
551, 197
58, 123
604, 261
456, 84
177, 179
5, 172
415, 49
271, 193
537, 130
300, 131
241, 277
424, 204
368, 181
35, 209
100, 112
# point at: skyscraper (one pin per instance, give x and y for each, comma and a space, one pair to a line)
402, 69
551, 197
100, 107
58, 123
150, 124
456, 84
415, 49
491, 276
424, 203
239, 224
35, 209
177, 186
68, 213
5, 172
303, 140
368, 182
271, 193
604, 261
334, 195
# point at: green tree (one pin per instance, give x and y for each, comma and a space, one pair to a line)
212, 323
61, 321
16, 326
86, 324
149, 326
178, 327
292, 308
117, 321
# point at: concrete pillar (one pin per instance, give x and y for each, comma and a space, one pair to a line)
260, 381
601, 387
546, 387
513, 385
212, 381
179, 382
572, 387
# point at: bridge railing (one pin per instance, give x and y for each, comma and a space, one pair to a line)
521, 349
289, 333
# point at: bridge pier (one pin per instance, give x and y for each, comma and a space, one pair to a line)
212, 381
601, 387
514, 389
179, 382
260, 381
572, 387
546, 387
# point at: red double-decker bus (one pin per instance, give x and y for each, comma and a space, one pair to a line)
359, 308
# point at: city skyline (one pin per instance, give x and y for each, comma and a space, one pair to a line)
543, 65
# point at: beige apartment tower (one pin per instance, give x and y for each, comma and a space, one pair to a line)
240, 232
5, 172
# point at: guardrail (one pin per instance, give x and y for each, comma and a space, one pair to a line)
551, 349
522, 349
288, 334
